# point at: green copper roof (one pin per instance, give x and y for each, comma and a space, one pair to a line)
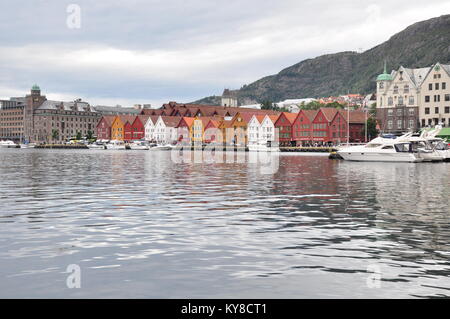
35, 88
384, 76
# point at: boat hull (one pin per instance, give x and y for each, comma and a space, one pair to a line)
379, 157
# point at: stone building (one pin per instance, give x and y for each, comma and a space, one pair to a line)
398, 99
55, 121
229, 98
408, 99
11, 119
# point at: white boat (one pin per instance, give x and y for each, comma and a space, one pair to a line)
382, 150
441, 147
8, 144
163, 147
438, 144
425, 149
115, 145
29, 145
262, 147
139, 145
96, 146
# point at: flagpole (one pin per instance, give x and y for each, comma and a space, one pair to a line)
348, 124
365, 111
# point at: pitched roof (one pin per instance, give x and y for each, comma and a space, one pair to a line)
290, 116
188, 120
109, 119
310, 114
273, 118
153, 118
328, 112
356, 116
127, 118
171, 121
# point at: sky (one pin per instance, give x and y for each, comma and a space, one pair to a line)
151, 52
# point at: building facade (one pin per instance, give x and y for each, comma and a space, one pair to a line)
11, 119
229, 99
410, 99
435, 97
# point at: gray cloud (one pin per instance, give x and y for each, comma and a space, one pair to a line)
154, 51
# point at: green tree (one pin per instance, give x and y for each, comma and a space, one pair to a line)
79, 135
372, 131
55, 135
267, 105
373, 109
90, 135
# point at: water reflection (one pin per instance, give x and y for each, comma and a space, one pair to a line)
140, 226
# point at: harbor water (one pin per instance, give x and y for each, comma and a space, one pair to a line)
138, 225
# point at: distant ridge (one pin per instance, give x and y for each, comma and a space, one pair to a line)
419, 45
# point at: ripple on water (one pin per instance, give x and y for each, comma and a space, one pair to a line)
139, 225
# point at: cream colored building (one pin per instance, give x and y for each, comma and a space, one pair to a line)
229, 98
408, 99
435, 97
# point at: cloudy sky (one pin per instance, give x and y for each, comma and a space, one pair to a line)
154, 51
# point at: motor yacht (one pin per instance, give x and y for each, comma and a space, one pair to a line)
382, 149
139, 146
97, 146
262, 147
115, 145
8, 144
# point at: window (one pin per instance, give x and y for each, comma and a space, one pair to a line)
447, 97
444, 85
399, 124
436, 110
412, 112
390, 101
406, 88
427, 98
430, 86
447, 109
395, 89
437, 98
436, 86
427, 110
411, 100
399, 112
423, 122
400, 100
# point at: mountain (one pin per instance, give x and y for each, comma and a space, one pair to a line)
421, 44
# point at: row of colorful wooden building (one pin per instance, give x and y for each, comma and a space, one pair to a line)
233, 125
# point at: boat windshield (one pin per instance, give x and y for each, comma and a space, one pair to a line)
403, 147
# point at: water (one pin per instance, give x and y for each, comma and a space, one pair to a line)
140, 226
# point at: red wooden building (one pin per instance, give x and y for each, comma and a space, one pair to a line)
138, 127
338, 127
302, 129
104, 127
284, 126
321, 125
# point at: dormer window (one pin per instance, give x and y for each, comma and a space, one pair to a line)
406, 88
395, 89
